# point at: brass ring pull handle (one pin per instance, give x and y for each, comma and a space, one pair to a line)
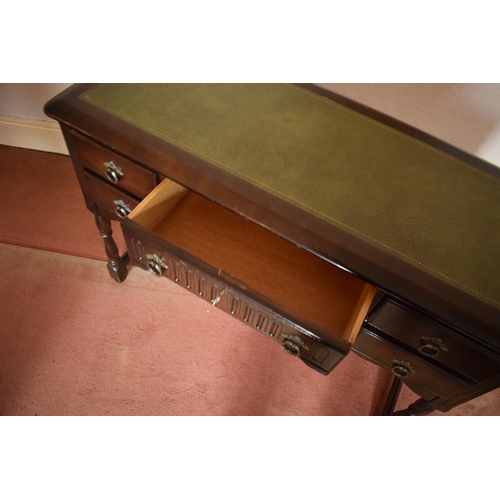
401, 369
121, 209
156, 265
291, 347
429, 350
121, 212
431, 347
112, 176
113, 173
155, 268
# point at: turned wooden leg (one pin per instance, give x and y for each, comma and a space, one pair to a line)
392, 397
419, 407
117, 266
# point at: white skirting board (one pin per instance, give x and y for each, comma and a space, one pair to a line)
32, 134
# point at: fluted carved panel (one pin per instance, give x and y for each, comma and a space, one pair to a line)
237, 304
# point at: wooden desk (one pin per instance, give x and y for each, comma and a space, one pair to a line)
323, 224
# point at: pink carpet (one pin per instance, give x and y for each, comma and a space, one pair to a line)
77, 343
42, 205
74, 342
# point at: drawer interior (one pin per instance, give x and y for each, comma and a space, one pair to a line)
306, 286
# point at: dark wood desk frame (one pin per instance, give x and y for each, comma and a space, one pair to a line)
432, 305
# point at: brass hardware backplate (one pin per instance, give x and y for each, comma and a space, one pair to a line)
435, 341
405, 364
122, 204
111, 165
157, 260
297, 340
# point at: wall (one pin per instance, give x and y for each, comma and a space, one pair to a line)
22, 121
26, 100
466, 115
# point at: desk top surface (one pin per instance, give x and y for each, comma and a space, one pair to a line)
410, 201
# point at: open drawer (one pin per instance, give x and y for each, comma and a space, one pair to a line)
312, 308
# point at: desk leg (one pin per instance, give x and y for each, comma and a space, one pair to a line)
419, 407
392, 397
117, 266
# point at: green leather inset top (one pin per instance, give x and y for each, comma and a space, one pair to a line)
410, 199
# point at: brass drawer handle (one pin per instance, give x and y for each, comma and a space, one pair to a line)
113, 172
431, 347
156, 265
402, 369
291, 347
429, 350
121, 209
293, 344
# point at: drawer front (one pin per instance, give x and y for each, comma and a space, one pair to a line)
292, 338
115, 203
408, 367
125, 174
433, 341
